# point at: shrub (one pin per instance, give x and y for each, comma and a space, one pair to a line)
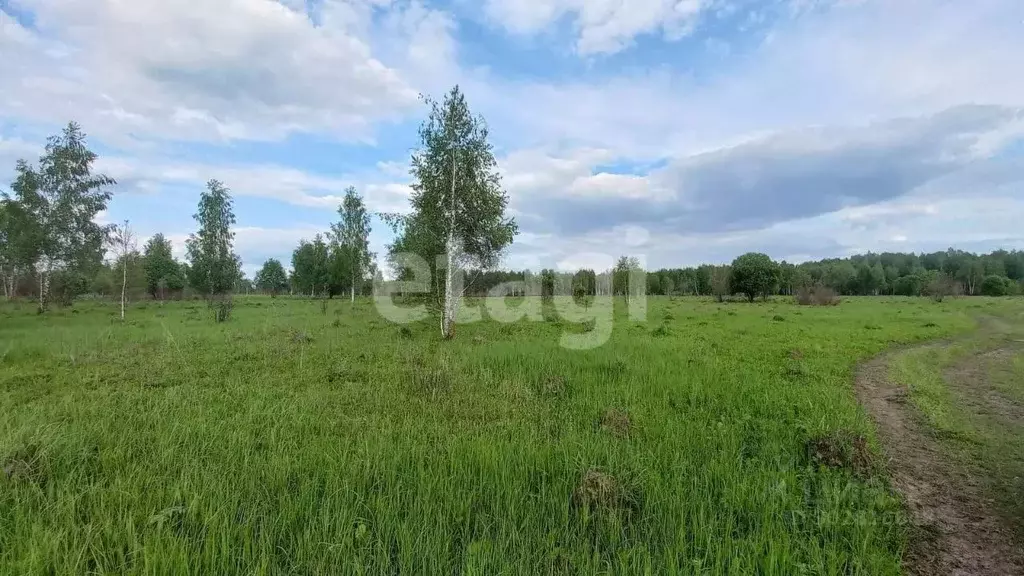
816, 296
66, 286
222, 307
942, 286
994, 285
720, 282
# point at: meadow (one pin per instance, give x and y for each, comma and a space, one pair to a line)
712, 438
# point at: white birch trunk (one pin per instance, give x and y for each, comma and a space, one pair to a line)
44, 280
448, 317
124, 284
448, 314
353, 292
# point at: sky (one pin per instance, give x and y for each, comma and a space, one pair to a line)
678, 131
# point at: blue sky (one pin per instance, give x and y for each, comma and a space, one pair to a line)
682, 131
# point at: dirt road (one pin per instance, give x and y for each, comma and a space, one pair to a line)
958, 527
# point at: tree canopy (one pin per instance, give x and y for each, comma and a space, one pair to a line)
271, 277
213, 266
350, 251
50, 220
754, 274
457, 204
163, 272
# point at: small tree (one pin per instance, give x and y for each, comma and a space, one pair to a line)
17, 245
311, 273
6, 261
272, 277
458, 204
122, 242
940, 286
162, 271
350, 239
719, 281
57, 206
623, 283
754, 274
213, 267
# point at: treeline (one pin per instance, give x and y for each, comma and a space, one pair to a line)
999, 273
53, 250
337, 262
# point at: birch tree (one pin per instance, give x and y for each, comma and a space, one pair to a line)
9, 253
123, 244
350, 235
162, 271
58, 203
311, 272
458, 203
213, 266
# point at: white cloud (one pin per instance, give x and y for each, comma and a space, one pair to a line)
734, 140
603, 26
855, 62
976, 224
782, 176
529, 171
285, 184
231, 69
14, 149
604, 184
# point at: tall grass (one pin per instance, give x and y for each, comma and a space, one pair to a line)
172, 444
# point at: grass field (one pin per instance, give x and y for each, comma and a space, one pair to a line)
710, 439
970, 392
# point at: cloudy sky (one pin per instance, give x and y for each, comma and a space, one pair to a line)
685, 131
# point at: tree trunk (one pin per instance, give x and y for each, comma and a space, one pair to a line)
353, 292
44, 279
448, 315
124, 284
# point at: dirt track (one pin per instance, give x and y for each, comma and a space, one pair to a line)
957, 529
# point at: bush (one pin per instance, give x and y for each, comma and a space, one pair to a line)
911, 285
816, 296
222, 307
66, 286
994, 285
941, 286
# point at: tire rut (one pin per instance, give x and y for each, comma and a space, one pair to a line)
955, 529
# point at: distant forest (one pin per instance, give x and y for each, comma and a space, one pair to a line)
999, 273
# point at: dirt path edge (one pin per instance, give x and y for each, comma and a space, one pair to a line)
954, 530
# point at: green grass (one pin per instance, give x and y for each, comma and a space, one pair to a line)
286, 441
921, 371
953, 385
